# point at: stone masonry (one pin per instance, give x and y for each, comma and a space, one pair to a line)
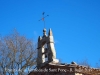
47, 64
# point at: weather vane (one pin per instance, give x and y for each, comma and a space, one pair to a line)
43, 18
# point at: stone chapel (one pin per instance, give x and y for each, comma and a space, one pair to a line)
48, 64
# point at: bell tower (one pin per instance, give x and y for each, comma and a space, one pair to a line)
46, 49
49, 65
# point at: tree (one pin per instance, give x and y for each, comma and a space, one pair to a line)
17, 54
84, 63
98, 64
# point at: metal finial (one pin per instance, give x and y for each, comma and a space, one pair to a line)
43, 18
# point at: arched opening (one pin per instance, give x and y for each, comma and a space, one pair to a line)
46, 52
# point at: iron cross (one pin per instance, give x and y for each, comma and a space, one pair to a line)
43, 18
